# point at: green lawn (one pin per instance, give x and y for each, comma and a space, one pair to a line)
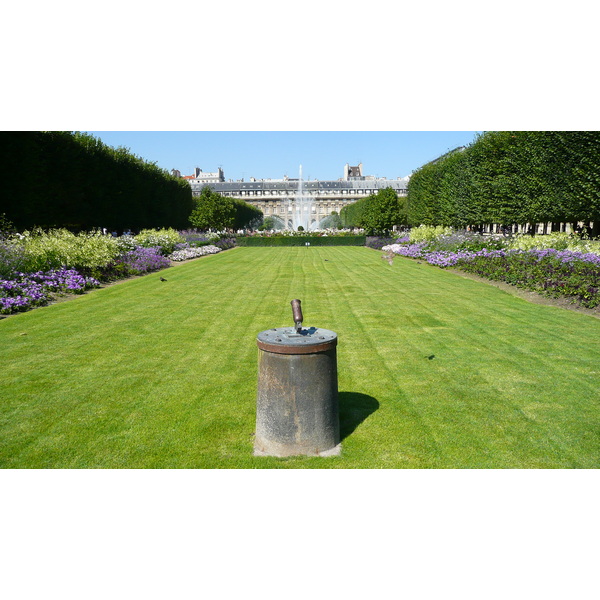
435, 370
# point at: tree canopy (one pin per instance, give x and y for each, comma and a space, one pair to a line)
213, 211
377, 213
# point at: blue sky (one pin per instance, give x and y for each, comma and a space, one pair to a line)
273, 154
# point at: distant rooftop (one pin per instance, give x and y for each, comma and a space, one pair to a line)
351, 173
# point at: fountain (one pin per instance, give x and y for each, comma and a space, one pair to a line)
301, 206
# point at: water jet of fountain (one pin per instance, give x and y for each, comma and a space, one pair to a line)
301, 207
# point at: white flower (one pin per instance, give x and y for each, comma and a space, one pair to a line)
188, 253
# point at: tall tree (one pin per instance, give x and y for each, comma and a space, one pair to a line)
213, 211
383, 211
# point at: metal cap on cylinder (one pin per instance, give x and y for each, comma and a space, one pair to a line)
297, 400
285, 340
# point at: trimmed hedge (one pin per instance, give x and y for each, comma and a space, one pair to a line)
352, 215
511, 177
285, 240
62, 179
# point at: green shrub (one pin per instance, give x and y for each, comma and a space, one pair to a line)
165, 239
466, 240
44, 250
428, 233
288, 240
556, 241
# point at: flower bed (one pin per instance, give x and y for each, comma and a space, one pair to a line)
377, 242
163, 240
32, 264
573, 274
555, 273
225, 243
143, 260
25, 291
193, 252
274, 233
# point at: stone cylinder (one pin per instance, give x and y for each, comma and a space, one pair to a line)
297, 401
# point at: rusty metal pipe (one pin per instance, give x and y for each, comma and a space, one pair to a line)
297, 314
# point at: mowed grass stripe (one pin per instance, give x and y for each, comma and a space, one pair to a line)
394, 321
473, 351
361, 294
435, 370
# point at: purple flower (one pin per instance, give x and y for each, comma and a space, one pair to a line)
144, 260
25, 291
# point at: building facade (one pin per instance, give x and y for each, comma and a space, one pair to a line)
201, 178
287, 198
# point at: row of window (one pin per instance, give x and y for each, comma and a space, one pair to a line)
288, 193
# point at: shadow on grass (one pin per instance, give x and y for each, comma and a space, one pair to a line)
354, 408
